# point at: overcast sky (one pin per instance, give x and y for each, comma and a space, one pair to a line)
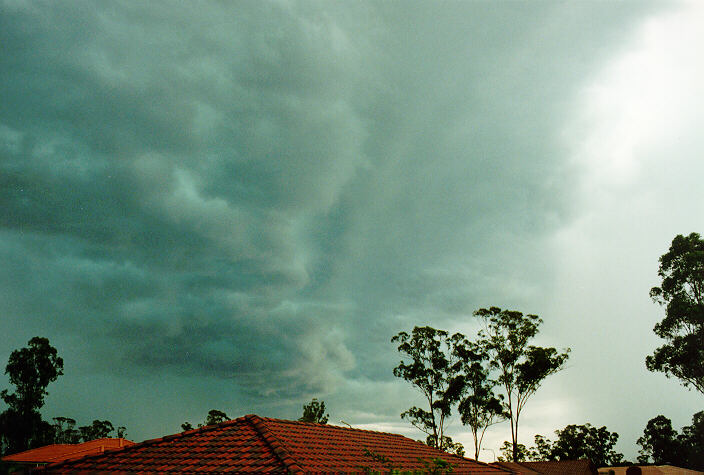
237, 205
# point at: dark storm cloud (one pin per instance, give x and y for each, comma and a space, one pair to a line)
267, 192
161, 165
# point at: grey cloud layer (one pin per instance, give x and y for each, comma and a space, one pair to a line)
268, 192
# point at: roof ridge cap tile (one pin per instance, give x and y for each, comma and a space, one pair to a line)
277, 447
331, 426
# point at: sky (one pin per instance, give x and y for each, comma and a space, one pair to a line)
236, 205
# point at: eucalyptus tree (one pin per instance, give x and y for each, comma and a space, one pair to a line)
30, 370
682, 293
315, 412
430, 366
579, 442
478, 404
521, 367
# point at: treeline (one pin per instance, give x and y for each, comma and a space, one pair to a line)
488, 379
30, 370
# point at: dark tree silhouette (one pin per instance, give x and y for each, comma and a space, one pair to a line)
682, 293
30, 370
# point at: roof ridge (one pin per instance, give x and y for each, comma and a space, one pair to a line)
332, 426
272, 441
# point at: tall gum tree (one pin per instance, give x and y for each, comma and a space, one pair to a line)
681, 292
478, 405
30, 370
521, 367
429, 365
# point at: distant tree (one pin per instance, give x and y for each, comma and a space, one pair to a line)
478, 406
579, 442
429, 367
692, 442
682, 293
542, 450
314, 412
521, 367
659, 443
215, 417
65, 431
510, 452
30, 370
662, 445
186, 426
97, 430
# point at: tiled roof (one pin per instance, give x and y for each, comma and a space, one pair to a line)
561, 467
516, 468
255, 444
651, 470
58, 452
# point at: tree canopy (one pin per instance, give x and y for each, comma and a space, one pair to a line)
521, 367
578, 442
215, 416
30, 370
314, 412
429, 367
662, 445
682, 293
659, 443
478, 405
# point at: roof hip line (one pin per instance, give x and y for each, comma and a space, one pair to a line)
276, 446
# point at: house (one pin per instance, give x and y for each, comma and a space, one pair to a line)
648, 470
257, 444
60, 452
559, 467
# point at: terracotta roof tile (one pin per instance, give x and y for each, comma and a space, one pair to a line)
59, 452
256, 444
561, 467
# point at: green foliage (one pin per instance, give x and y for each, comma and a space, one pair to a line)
579, 442
97, 430
30, 370
430, 367
478, 405
65, 431
662, 445
682, 293
314, 412
692, 442
659, 443
521, 367
510, 452
186, 426
449, 446
432, 466
214, 416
